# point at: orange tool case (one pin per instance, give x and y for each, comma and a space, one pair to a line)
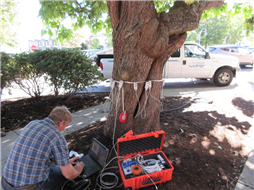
142, 162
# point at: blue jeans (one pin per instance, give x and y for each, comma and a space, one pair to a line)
54, 181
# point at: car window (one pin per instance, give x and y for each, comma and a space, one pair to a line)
234, 50
225, 49
211, 49
176, 54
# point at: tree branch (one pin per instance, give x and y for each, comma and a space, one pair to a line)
114, 12
205, 5
183, 17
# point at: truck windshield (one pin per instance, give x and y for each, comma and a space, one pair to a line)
192, 50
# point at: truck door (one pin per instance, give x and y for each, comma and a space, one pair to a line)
195, 64
173, 66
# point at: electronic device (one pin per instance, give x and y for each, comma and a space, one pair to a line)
141, 160
95, 160
127, 165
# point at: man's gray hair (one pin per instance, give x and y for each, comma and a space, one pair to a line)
60, 113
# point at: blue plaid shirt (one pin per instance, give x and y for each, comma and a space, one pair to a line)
37, 146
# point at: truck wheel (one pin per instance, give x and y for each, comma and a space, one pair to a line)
223, 77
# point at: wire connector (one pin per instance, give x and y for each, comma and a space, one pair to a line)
120, 84
163, 82
148, 85
135, 86
112, 83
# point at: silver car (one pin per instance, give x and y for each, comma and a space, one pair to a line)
245, 56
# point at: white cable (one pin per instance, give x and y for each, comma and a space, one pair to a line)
161, 105
151, 180
193, 100
148, 86
143, 111
140, 160
144, 107
116, 108
123, 99
135, 85
111, 97
112, 149
107, 185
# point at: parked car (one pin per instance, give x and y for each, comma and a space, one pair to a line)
245, 56
91, 52
251, 49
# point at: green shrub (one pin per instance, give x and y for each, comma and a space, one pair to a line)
28, 78
68, 69
64, 69
8, 71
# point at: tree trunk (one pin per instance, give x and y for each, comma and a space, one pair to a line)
143, 40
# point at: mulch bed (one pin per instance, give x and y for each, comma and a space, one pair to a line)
205, 147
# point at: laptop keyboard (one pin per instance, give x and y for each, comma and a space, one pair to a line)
91, 166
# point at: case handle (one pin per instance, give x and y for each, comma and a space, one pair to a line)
155, 134
128, 134
149, 181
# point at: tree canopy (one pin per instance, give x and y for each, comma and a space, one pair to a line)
8, 19
57, 15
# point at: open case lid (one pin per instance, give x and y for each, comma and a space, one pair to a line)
137, 144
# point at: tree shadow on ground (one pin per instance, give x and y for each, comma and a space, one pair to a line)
206, 148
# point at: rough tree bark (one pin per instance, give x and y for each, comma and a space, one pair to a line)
143, 40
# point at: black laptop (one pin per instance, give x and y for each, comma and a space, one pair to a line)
95, 160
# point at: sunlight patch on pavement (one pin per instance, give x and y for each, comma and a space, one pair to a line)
103, 119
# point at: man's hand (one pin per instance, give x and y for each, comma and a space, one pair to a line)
79, 167
72, 160
70, 171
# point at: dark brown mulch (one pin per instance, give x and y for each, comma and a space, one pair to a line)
205, 147
16, 114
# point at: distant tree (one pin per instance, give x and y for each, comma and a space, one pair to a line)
249, 25
75, 41
217, 29
8, 21
96, 44
84, 46
246, 11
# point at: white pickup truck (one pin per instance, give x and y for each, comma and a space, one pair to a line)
190, 61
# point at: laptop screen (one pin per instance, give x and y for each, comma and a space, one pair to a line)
98, 152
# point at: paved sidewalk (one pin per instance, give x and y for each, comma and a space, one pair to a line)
246, 179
